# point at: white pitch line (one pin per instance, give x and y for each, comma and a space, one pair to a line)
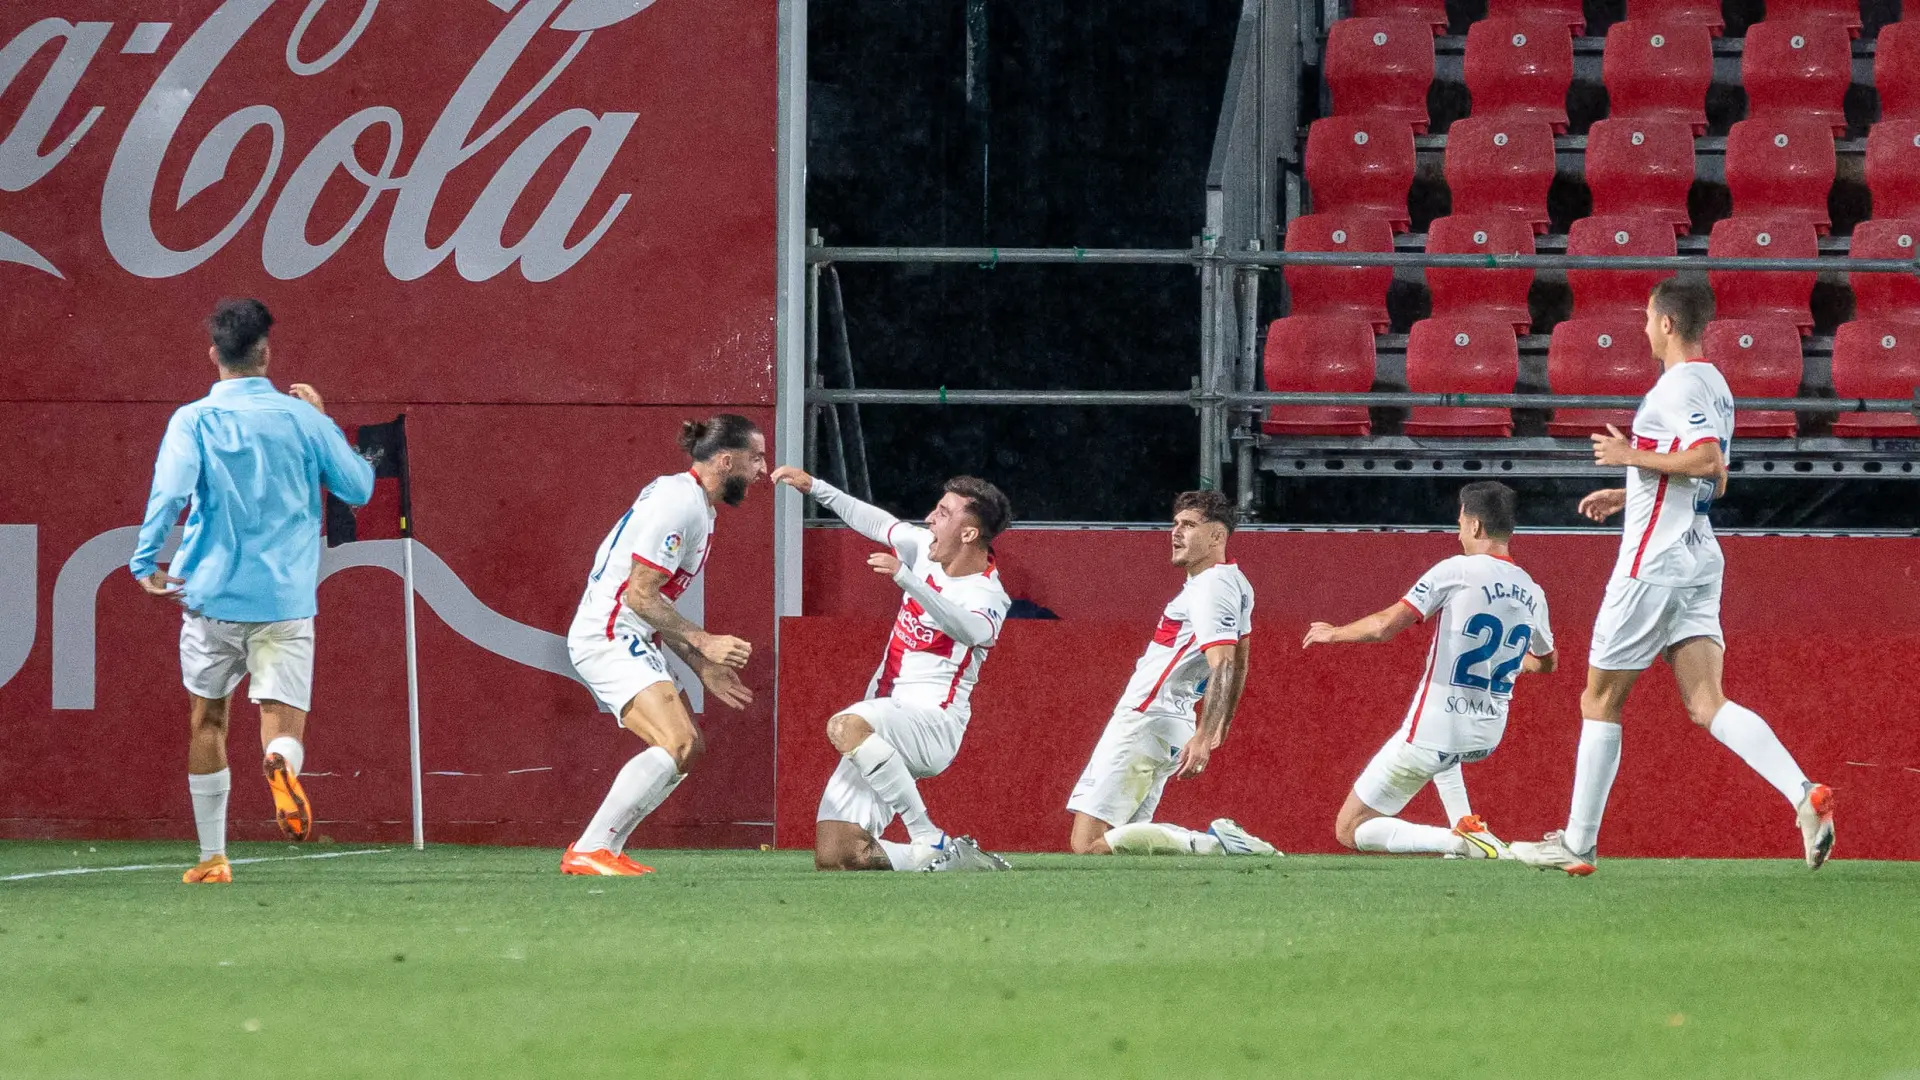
188, 866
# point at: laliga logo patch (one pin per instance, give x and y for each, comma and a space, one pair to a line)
671, 544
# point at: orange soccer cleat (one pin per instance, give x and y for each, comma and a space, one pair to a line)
600, 864
290, 806
214, 871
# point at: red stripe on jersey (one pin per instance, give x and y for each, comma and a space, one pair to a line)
651, 565
1417, 613
1167, 632
890, 670
1222, 641
953, 690
614, 615
1426, 683
1162, 681
1659, 497
1702, 442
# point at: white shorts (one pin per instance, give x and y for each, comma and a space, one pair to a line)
1130, 766
1398, 772
215, 655
1638, 622
616, 671
925, 736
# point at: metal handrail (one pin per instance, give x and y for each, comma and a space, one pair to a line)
989, 257
1388, 399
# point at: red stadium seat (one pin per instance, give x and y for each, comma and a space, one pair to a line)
1608, 355
1501, 166
1617, 293
1782, 168
1763, 294
1461, 356
1571, 12
1893, 168
1520, 68
1306, 352
1797, 69
1874, 358
1431, 12
1896, 70
1361, 163
1485, 294
1354, 293
1886, 296
1760, 358
1690, 12
1381, 67
1642, 166
1844, 14
1658, 71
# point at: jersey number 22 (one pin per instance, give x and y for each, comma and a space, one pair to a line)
1491, 632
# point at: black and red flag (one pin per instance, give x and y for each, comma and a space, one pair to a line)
389, 514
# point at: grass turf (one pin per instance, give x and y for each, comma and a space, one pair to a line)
476, 962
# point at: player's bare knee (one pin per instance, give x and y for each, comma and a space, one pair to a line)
847, 731
1702, 708
1597, 705
1343, 832
687, 749
209, 715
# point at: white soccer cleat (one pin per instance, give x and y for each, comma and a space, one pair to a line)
1481, 843
1552, 853
1235, 840
962, 855
1816, 824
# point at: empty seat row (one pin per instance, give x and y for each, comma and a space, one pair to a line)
1703, 13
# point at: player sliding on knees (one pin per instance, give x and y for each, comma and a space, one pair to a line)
1664, 596
251, 461
917, 705
626, 623
1197, 655
1490, 625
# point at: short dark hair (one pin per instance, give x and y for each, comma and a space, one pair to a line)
702, 439
1493, 504
986, 503
238, 327
1211, 505
1689, 303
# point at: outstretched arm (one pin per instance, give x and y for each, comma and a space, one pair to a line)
642, 594
1382, 625
961, 624
864, 518
1226, 681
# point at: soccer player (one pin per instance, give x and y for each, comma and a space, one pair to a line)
1664, 596
1490, 625
917, 705
248, 463
626, 623
1198, 656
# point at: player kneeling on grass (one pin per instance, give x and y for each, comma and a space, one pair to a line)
1197, 655
917, 705
1490, 625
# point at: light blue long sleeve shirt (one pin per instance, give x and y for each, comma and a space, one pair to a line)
251, 461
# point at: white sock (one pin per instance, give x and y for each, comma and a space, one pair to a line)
210, 810
1742, 731
907, 856
1452, 787
1157, 838
1405, 838
641, 786
289, 747
1593, 774
886, 772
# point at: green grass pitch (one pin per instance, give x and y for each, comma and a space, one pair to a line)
482, 962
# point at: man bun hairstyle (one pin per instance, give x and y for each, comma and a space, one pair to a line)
1211, 505
987, 504
702, 439
237, 328
1493, 504
1689, 303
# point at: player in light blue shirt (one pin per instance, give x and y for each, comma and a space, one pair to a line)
247, 463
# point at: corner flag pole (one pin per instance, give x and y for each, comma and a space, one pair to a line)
413, 705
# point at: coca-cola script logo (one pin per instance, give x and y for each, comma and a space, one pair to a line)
478, 245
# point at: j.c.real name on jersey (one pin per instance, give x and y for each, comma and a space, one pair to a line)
1500, 590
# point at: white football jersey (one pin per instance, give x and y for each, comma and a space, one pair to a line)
1668, 539
1215, 607
1488, 614
669, 528
923, 665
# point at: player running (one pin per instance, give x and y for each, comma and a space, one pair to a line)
1490, 626
917, 705
249, 461
626, 623
1664, 597
1198, 656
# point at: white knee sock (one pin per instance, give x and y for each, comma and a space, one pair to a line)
1742, 731
906, 856
209, 792
289, 748
1453, 794
641, 786
886, 772
1593, 774
1406, 838
1156, 838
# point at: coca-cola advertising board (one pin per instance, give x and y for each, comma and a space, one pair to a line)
543, 229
